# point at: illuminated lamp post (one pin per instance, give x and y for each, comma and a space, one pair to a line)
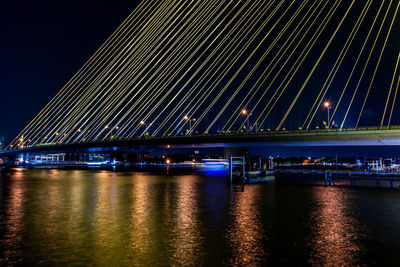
245, 113
146, 125
116, 128
186, 118
327, 105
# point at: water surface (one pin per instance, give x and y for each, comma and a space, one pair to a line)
54, 217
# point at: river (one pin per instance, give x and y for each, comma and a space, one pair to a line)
103, 218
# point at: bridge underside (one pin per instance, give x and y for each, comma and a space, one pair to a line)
324, 138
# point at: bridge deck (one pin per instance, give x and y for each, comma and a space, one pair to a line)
324, 137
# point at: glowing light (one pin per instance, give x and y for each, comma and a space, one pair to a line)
186, 117
244, 112
142, 123
168, 161
327, 104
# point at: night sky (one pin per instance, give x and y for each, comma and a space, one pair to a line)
41, 48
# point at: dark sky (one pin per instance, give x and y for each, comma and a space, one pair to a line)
41, 48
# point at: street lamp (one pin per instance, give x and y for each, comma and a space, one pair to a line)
327, 105
186, 118
111, 130
146, 125
245, 113
116, 128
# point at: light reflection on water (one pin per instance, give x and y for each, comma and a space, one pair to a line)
140, 219
246, 231
14, 213
187, 241
333, 239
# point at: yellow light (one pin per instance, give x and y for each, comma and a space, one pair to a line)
326, 104
168, 161
186, 117
244, 112
142, 122
106, 127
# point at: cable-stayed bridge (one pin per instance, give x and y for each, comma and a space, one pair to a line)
210, 72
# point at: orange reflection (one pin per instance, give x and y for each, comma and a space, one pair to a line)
14, 217
246, 233
106, 222
188, 236
140, 217
51, 198
334, 242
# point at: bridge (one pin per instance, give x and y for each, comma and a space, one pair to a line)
371, 136
224, 73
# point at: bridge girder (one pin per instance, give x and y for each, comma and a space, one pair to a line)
329, 137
